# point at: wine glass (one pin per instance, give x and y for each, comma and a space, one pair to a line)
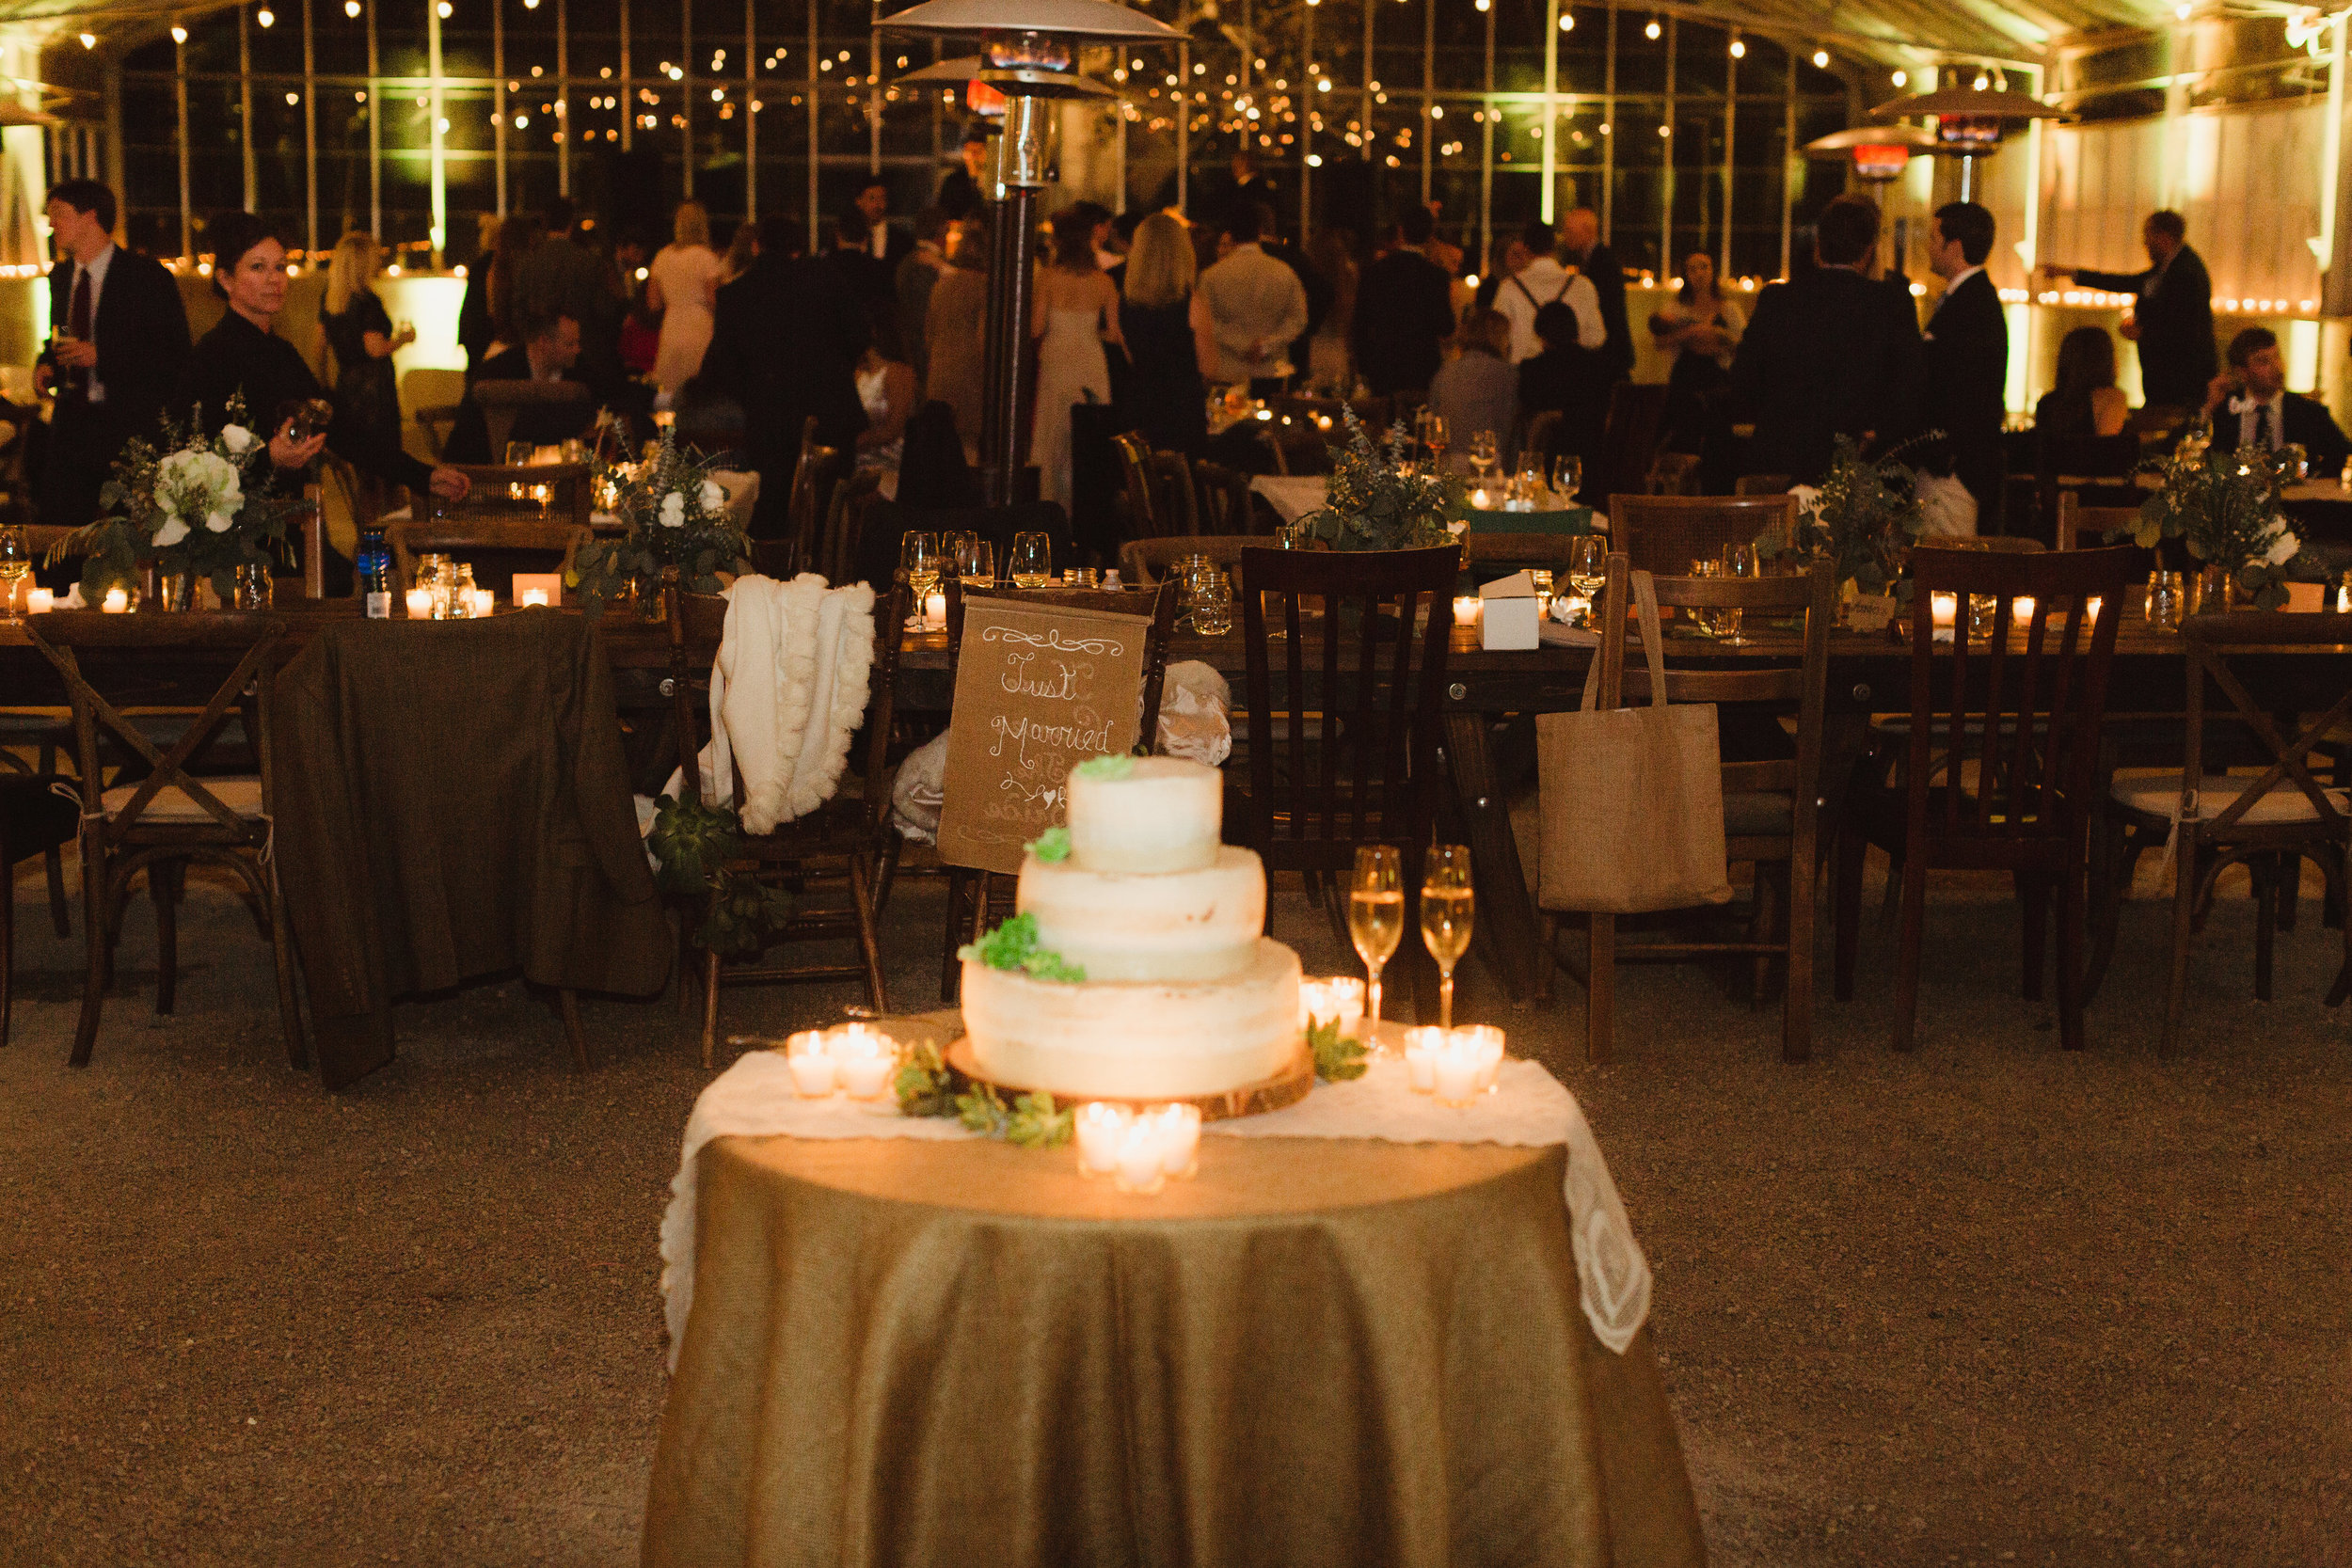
1568, 477
1031, 563
1529, 485
918, 553
1711, 619
16, 566
1588, 564
1445, 917
1484, 452
975, 561
1435, 435
1375, 915
1740, 565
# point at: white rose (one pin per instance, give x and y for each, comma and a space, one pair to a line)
171, 532
714, 499
236, 439
1808, 497
2283, 546
1457, 527
673, 509
217, 522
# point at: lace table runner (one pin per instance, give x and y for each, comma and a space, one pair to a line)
1529, 1108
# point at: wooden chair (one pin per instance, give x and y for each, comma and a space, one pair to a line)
1769, 817
818, 470
1762, 485
1147, 563
976, 896
844, 525
503, 403
170, 818
2086, 528
836, 844
1344, 735
2270, 822
34, 820
1547, 551
1158, 487
1663, 534
2070, 468
2004, 757
1628, 440
1226, 505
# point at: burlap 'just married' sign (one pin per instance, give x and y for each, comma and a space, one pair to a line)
1039, 689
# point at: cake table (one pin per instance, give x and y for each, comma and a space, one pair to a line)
1319, 1351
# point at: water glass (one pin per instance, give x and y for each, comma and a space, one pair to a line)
1031, 563
1484, 452
1212, 604
1529, 485
1568, 477
2163, 604
975, 561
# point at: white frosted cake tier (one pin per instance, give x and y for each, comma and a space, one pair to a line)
1136, 1040
1179, 925
1162, 815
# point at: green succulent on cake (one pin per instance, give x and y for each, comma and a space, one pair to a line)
1013, 946
1104, 769
1052, 845
1338, 1056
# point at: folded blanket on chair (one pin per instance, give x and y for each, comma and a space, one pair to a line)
786, 693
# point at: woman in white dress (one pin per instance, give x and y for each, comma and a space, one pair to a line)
683, 287
887, 388
1077, 312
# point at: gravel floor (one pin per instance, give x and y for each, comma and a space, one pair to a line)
1981, 1304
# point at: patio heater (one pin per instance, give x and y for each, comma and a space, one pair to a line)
1969, 123
1027, 58
1879, 155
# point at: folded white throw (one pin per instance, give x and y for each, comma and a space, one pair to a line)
786, 693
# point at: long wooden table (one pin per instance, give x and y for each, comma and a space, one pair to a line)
1869, 672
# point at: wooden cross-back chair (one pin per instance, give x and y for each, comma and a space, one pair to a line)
1158, 488
815, 473
836, 844
1343, 710
975, 896
2004, 758
1769, 819
1146, 562
170, 818
844, 525
1226, 505
502, 403
1663, 534
2270, 822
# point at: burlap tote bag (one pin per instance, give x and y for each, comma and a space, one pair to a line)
1633, 798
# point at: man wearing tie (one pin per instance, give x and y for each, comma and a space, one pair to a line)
118, 337
1966, 356
2250, 406
2173, 323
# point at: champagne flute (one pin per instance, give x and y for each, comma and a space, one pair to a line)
1375, 915
1740, 564
1568, 477
975, 561
1445, 917
1031, 562
918, 553
16, 566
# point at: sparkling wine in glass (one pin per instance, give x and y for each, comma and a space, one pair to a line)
1588, 564
1375, 915
1032, 561
918, 553
1445, 917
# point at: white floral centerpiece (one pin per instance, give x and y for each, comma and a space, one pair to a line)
194, 509
2225, 505
677, 515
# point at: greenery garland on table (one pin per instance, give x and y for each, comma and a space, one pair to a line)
1375, 504
196, 508
1032, 1120
1338, 1057
675, 516
2225, 505
1862, 518
697, 847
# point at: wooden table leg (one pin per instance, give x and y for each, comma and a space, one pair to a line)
1506, 907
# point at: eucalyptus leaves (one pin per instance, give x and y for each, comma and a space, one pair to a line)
697, 847
677, 515
1862, 517
2225, 507
1377, 502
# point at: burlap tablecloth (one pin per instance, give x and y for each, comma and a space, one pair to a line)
1320, 1351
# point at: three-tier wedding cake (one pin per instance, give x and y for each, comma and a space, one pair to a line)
1182, 996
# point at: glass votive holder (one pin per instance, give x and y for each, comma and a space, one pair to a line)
864, 1059
1140, 1167
1422, 1046
809, 1057
1486, 1041
1102, 1127
1177, 1131
1341, 997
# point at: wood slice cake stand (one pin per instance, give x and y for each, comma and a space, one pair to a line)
1286, 1087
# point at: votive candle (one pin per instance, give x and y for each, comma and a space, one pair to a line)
2021, 610
1943, 610
863, 1058
117, 602
1140, 1167
935, 611
40, 601
420, 604
1422, 1046
534, 596
1177, 1131
1466, 610
484, 602
1102, 1128
1342, 997
1484, 1041
809, 1057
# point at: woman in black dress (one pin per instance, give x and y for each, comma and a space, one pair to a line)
360, 332
1164, 396
244, 358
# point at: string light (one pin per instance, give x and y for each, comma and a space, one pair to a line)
1901, 78
1653, 32
1820, 59
179, 35
1567, 22
1738, 47
266, 17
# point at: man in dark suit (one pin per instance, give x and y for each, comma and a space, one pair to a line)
2173, 322
550, 347
1404, 311
963, 191
1832, 351
784, 344
1580, 243
1966, 356
2250, 406
118, 341
886, 242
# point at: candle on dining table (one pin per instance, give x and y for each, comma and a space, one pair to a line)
1177, 1131
1479, 499
420, 604
1943, 610
864, 1057
1341, 997
1484, 1043
116, 602
809, 1058
549, 586
534, 598
1139, 1167
484, 602
1422, 1046
2021, 610
1465, 1064
935, 611
40, 601
1465, 609
1102, 1127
